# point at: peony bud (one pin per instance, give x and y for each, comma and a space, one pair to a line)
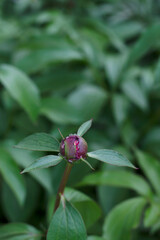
73, 148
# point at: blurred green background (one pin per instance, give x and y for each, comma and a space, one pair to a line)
82, 60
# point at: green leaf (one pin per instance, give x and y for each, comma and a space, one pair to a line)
152, 138
39, 142
19, 231
123, 218
13, 211
89, 50
9, 29
146, 42
88, 101
36, 60
110, 196
135, 92
152, 215
129, 133
46, 81
155, 227
42, 176
95, 238
109, 33
60, 111
21, 88
111, 157
151, 141
83, 202
84, 128
118, 178
11, 175
43, 162
66, 224
129, 29
120, 107
113, 66
147, 80
151, 168
87, 163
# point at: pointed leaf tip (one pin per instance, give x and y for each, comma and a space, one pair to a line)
84, 128
112, 157
86, 162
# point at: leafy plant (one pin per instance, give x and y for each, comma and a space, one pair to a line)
66, 221
62, 63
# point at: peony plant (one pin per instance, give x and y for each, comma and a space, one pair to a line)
72, 149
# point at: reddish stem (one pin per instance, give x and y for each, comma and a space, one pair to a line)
63, 184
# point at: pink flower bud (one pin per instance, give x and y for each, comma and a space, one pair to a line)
73, 148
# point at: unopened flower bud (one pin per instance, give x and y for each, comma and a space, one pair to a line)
73, 148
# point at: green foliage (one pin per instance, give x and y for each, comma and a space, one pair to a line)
39, 142
43, 162
13, 210
128, 217
118, 178
24, 158
84, 128
111, 157
59, 111
21, 89
19, 231
90, 105
83, 202
94, 238
151, 168
148, 40
45, 142
61, 64
66, 223
10, 173
152, 215
134, 91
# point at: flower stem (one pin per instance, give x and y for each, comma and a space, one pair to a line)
62, 184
